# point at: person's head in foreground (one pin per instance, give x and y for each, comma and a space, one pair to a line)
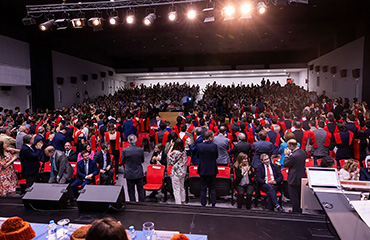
107, 229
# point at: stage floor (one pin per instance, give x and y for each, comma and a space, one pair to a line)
217, 223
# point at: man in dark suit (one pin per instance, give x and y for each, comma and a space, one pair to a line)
39, 137
241, 146
260, 147
59, 139
298, 133
133, 157
103, 159
61, 169
269, 177
295, 159
29, 156
207, 154
86, 171
194, 147
71, 154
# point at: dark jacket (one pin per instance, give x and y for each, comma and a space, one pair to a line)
58, 141
64, 167
241, 146
296, 164
29, 160
133, 157
207, 154
81, 173
239, 177
260, 174
259, 148
72, 156
99, 159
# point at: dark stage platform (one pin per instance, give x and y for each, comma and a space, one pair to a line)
217, 223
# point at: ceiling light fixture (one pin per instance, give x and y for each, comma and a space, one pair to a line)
172, 15
96, 23
149, 19
130, 16
192, 14
63, 23
245, 10
228, 12
114, 19
209, 12
47, 25
29, 20
78, 22
261, 7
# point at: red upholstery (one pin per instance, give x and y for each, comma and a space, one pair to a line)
125, 145
140, 139
47, 167
332, 154
193, 171
309, 162
278, 194
223, 172
284, 172
275, 160
74, 166
169, 168
18, 168
73, 148
343, 161
188, 161
154, 177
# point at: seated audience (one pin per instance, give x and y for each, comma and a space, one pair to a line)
350, 171
158, 156
61, 170
86, 147
327, 162
365, 171
107, 228
103, 159
243, 182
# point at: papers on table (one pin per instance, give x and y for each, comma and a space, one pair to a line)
363, 209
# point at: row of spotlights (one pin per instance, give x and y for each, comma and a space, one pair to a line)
96, 22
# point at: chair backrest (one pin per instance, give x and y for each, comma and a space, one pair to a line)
125, 145
169, 168
309, 162
193, 171
343, 161
188, 161
223, 172
47, 167
319, 163
17, 166
284, 172
155, 173
74, 166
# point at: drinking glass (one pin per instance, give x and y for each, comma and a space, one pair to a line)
148, 230
64, 223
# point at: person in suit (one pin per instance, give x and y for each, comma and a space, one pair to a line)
22, 131
133, 157
243, 182
62, 170
103, 159
194, 147
207, 153
222, 145
29, 156
71, 154
269, 177
260, 147
241, 147
295, 160
59, 139
39, 137
86, 171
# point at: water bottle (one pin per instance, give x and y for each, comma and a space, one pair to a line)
132, 232
52, 230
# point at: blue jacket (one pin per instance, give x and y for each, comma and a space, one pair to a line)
194, 150
128, 128
58, 141
259, 148
81, 173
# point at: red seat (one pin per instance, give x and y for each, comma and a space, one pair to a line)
125, 145
188, 161
140, 139
364, 164
194, 181
284, 172
169, 168
154, 177
18, 168
223, 181
343, 161
309, 162
73, 148
275, 160
47, 167
193, 171
74, 166
223, 172
332, 154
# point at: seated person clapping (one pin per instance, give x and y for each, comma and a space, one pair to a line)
243, 182
365, 171
350, 171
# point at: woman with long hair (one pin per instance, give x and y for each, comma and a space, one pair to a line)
113, 138
8, 177
350, 170
177, 159
243, 181
86, 147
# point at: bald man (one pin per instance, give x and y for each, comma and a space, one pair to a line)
295, 159
61, 169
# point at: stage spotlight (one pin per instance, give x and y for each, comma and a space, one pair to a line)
130, 16
62, 24
114, 20
245, 10
228, 12
95, 22
192, 14
46, 25
78, 22
172, 16
261, 6
209, 15
28, 20
149, 19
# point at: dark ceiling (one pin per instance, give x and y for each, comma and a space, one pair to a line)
296, 33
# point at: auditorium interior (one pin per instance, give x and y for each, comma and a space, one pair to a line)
174, 58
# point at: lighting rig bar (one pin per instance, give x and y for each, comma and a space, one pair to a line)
103, 5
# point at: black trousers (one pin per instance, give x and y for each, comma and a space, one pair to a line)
115, 154
106, 178
295, 197
209, 182
248, 190
30, 179
272, 200
131, 189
